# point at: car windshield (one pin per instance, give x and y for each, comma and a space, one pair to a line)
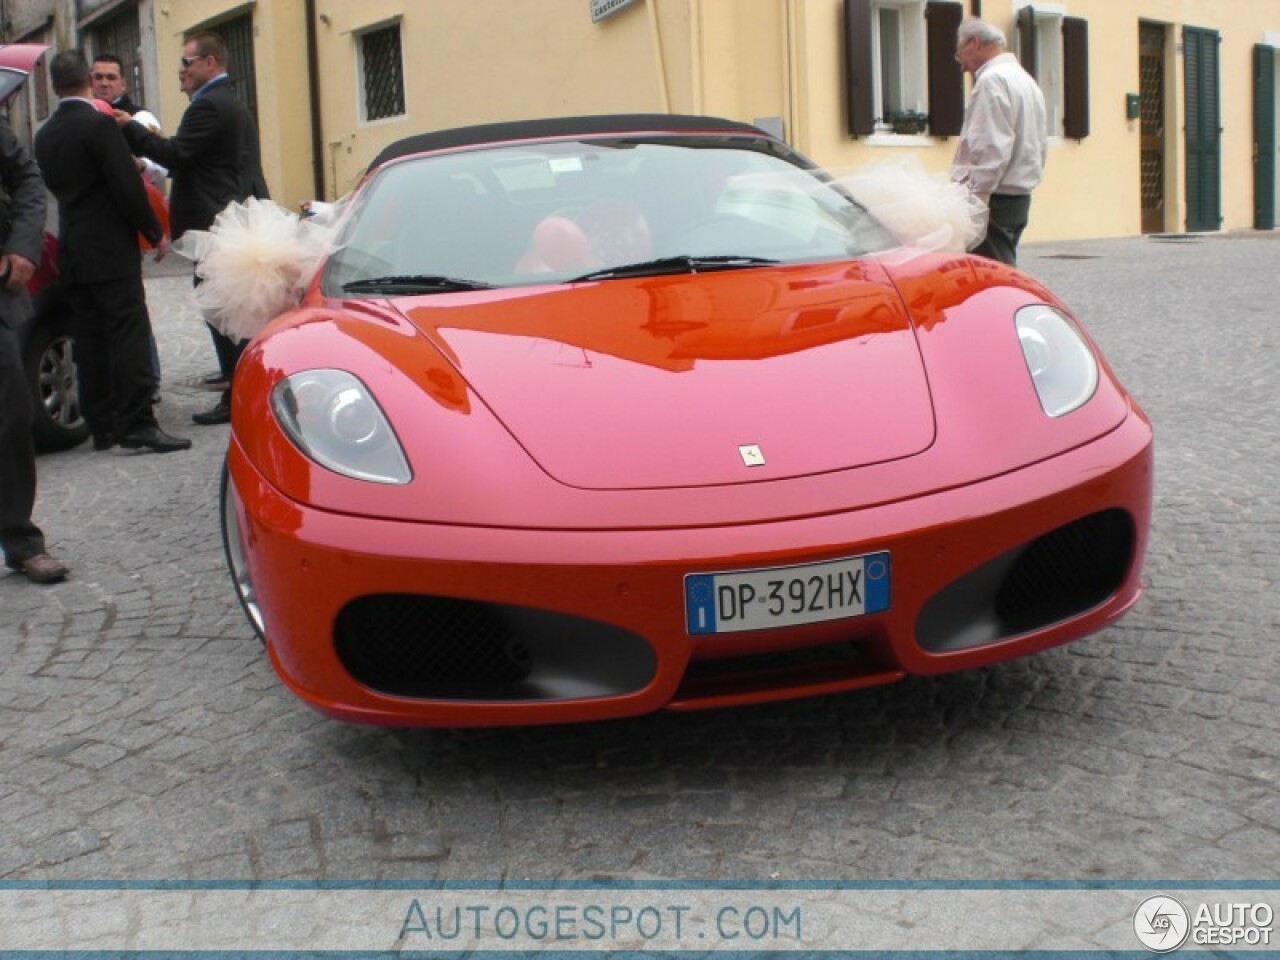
523, 214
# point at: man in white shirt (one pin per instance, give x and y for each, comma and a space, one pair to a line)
1001, 154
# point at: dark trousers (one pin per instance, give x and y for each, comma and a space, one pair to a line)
1008, 219
227, 351
20, 539
113, 354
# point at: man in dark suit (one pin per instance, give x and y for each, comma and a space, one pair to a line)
21, 234
213, 159
102, 207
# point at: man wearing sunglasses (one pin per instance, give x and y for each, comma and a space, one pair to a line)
213, 160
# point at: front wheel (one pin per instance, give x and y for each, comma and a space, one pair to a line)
237, 564
58, 422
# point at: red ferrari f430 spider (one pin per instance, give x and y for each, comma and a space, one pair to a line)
590, 417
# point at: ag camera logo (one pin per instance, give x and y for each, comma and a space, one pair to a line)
1161, 923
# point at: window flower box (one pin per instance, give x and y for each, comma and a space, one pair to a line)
909, 121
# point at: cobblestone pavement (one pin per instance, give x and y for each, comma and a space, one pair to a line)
143, 735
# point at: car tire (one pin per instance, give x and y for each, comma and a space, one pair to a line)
237, 564
49, 359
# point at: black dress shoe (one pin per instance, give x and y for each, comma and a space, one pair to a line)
219, 413
155, 440
104, 441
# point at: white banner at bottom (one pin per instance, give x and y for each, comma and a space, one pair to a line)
800, 919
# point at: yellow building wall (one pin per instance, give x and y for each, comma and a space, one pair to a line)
483, 61
478, 61
1091, 187
739, 58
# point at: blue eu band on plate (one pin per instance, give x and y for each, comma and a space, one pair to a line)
732, 602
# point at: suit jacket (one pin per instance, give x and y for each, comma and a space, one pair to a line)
23, 232
213, 157
102, 205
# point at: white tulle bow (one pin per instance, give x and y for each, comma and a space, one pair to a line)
924, 211
254, 261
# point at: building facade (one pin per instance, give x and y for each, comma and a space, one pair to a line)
1163, 112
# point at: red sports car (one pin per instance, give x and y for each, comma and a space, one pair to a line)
590, 417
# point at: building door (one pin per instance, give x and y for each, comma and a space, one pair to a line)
1264, 137
1151, 99
237, 33
1204, 129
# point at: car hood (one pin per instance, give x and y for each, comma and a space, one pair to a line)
693, 380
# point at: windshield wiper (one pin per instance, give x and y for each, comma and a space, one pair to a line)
684, 263
414, 283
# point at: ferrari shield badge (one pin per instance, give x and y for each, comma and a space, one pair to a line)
752, 455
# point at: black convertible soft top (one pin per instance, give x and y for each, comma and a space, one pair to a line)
559, 127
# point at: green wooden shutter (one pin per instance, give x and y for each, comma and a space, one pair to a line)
1204, 129
860, 85
946, 78
1264, 137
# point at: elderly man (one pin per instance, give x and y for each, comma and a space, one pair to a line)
1001, 154
213, 159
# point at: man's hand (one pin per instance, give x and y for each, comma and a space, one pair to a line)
121, 117
16, 270
162, 248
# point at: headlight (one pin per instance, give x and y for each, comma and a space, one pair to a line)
332, 418
1061, 364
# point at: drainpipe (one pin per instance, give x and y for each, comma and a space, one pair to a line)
791, 77
652, 6
313, 84
695, 55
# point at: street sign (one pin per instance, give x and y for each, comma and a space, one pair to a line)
604, 8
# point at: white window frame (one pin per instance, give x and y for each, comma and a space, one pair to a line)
911, 58
1049, 59
361, 100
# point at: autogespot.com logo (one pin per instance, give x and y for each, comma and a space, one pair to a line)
1161, 924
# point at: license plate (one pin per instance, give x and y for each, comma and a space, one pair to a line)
734, 601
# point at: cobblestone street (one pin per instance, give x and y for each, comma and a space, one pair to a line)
144, 736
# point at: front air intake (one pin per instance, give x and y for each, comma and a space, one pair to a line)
446, 648
1059, 575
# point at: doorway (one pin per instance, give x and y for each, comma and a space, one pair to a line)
237, 34
1152, 105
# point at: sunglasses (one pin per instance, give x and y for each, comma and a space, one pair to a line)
188, 61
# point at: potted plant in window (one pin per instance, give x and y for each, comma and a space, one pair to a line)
909, 121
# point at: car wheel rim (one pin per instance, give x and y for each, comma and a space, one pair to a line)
236, 561
58, 384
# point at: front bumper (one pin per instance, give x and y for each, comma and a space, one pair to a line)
603, 612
